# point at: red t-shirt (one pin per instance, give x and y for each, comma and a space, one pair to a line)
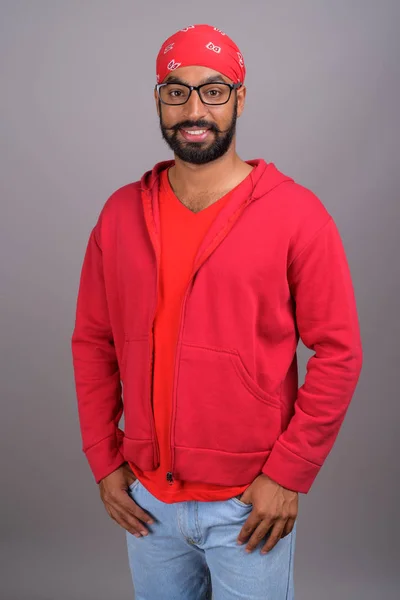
182, 232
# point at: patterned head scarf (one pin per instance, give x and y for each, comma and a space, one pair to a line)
201, 45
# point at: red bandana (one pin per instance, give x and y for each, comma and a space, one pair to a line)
201, 45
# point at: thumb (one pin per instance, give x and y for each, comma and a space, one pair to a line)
246, 496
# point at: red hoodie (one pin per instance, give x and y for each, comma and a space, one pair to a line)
271, 267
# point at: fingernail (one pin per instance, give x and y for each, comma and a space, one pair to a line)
150, 522
248, 550
137, 535
143, 532
240, 542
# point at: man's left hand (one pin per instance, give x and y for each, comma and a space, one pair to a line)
274, 508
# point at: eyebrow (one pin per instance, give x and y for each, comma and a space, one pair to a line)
212, 79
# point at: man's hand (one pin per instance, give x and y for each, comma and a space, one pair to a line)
118, 503
274, 507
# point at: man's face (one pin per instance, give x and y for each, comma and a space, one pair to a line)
218, 120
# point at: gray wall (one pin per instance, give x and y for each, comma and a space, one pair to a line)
78, 121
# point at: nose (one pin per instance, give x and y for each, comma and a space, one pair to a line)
194, 107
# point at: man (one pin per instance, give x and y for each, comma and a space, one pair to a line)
197, 282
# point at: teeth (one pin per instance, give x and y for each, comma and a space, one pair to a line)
196, 131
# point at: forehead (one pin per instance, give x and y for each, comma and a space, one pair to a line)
195, 75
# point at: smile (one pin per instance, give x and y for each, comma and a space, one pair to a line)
197, 135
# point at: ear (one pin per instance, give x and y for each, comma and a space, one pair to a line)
241, 97
157, 101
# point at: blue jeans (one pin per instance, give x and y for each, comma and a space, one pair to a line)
192, 548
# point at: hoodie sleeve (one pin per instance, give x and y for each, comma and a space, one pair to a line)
96, 370
326, 317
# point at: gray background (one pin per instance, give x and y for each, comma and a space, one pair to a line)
78, 121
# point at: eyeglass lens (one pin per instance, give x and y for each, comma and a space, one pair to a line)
213, 93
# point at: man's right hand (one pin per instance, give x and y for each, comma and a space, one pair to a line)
119, 505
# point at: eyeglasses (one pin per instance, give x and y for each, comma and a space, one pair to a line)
176, 94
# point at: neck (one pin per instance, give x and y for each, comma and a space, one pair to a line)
189, 178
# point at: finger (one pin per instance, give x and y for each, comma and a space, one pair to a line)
258, 535
134, 526
250, 525
288, 527
139, 513
134, 520
128, 511
274, 537
126, 504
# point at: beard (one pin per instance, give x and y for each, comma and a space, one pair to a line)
199, 153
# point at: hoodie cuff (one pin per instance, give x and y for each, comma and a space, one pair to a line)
105, 456
290, 470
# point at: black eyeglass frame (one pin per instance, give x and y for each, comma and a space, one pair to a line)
232, 86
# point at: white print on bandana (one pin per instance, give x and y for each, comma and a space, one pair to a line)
187, 28
241, 61
172, 65
211, 46
158, 78
169, 47
219, 31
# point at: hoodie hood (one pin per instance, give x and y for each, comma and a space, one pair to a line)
262, 179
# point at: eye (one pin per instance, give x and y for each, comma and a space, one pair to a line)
213, 92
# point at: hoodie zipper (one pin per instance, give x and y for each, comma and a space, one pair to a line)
151, 338
217, 240
153, 427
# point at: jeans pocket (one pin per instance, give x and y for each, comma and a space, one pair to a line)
133, 485
237, 501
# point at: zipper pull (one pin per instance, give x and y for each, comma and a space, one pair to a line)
170, 478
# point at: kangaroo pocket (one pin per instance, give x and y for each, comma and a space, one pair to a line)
220, 406
135, 374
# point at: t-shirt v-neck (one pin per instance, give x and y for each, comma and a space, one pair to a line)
181, 231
